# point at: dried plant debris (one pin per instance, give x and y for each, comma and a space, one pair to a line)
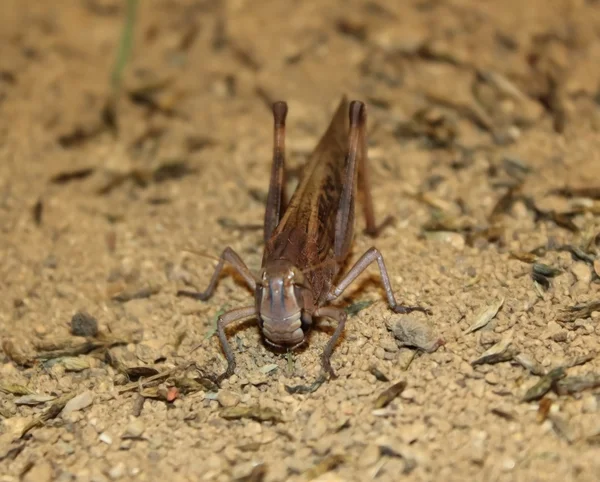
563, 220
579, 311
378, 374
14, 389
576, 384
136, 294
255, 412
579, 360
328, 464
591, 192
16, 353
438, 128
51, 412
388, 395
530, 364
524, 256
545, 270
544, 406
544, 385
415, 333
188, 385
257, 474
142, 177
505, 203
80, 349
84, 324
502, 413
154, 379
37, 212
578, 253
75, 175
485, 315
135, 373
501, 352
305, 389
70, 363
355, 308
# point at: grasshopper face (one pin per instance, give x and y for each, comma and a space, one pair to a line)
280, 304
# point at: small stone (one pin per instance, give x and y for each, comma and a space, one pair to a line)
84, 324
409, 394
227, 398
134, 430
369, 456
492, 378
582, 272
589, 403
117, 471
104, 437
41, 472
79, 402
560, 337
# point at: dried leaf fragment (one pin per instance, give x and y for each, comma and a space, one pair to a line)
378, 374
530, 364
255, 412
135, 373
524, 256
576, 384
544, 385
545, 270
74, 363
14, 389
136, 294
355, 308
500, 352
305, 389
51, 412
573, 313
544, 407
484, 316
33, 399
388, 395
327, 464
15, 353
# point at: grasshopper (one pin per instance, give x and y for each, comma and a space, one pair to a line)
307, 241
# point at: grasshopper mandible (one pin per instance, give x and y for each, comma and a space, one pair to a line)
307, 241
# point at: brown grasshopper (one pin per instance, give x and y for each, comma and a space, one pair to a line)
307, 242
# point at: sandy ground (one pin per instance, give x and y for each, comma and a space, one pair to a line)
466, 100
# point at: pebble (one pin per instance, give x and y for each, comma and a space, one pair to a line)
589, 403
84, 324
369, 456
227, 398
135, 429
582, 272
107, 439
117, 471
79, 402
492, 378
41, 472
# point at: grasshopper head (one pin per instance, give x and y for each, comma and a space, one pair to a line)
280, 303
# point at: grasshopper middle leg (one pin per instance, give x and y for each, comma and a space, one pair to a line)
363, 263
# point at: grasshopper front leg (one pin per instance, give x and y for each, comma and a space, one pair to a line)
234, 259
340, 316
226, 319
